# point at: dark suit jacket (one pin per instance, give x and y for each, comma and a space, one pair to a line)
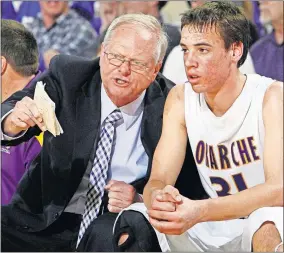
74, 85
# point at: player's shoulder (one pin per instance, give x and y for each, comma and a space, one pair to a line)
177, 92
175, 101
274, 91
273, 97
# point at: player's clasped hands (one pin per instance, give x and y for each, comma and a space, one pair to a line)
171, 213
24, 115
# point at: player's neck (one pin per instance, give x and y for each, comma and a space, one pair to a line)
219, 102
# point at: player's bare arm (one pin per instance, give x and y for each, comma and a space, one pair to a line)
190, 212
269, 193
170, 152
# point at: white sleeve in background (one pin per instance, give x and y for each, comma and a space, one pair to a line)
5, 137
174, 66
248, 67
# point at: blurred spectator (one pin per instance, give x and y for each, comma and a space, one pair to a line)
100, 41
247, 8
19, 57
175, 71
108, 12
86, 10
7, 10
28, 10
59, 29
267, 53
153, 8
261, 30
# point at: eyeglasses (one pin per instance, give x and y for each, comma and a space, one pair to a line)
117, 60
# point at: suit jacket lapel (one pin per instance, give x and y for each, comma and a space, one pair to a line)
151, 126
88, 116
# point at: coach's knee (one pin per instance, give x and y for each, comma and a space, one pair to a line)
266, 238
124, 235
264, 228
122, 239
134, 233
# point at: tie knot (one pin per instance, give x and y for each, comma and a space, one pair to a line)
114, 116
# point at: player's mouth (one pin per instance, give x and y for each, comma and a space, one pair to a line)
193, 79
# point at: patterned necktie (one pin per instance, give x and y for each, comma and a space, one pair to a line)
98, 174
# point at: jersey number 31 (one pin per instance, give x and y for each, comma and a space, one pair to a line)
225, 187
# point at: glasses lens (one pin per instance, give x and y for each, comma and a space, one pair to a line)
115, 61
118, 61
136, 67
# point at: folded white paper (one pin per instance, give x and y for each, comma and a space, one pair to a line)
47, 108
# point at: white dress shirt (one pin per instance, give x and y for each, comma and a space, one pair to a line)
128, 161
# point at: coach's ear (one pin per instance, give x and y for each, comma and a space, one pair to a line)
3, 65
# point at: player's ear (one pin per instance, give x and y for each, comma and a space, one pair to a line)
237, 51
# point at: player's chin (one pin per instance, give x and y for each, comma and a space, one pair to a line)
199, 88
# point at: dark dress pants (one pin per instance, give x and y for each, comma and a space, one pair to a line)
59, 236
142, 236
99, 235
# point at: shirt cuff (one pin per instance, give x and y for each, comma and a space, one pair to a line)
5, 137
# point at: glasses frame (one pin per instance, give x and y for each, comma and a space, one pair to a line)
137, 68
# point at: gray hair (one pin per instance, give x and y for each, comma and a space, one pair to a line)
147, 21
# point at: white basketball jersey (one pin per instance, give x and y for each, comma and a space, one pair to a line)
228, 150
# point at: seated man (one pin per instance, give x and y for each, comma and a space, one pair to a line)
110, 110
234, 123
59, 29
267, 52
19, 57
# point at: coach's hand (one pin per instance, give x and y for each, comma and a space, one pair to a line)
121, 195
24, 115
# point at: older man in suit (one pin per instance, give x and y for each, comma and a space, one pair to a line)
111, 112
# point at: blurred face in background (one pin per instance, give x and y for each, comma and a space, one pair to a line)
271, 11
136, 7
108, 12
197, 3
54, 8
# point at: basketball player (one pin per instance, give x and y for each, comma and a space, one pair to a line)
235, 127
